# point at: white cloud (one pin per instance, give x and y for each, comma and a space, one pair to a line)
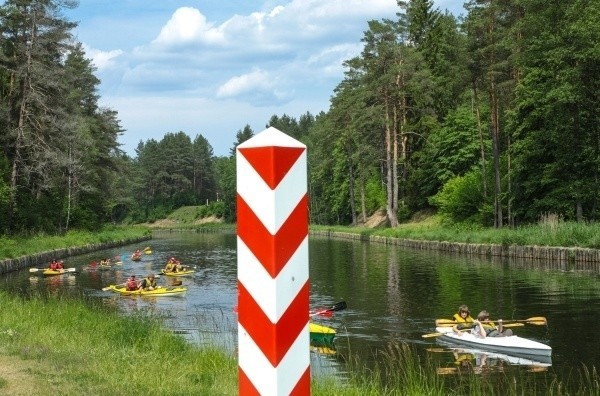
257, 79
102, 59
188, 25
257, 87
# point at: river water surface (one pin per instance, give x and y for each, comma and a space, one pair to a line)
393, 296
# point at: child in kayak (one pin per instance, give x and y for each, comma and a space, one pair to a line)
148, 283
484, 328
131, 283
463, 317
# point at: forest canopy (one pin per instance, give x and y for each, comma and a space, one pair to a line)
490, 120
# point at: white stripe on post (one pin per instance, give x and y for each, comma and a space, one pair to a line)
273, 283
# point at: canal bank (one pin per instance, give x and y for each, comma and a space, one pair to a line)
43, 258
560, 255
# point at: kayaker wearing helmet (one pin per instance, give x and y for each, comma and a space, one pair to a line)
484, 328
131, 283
148, 283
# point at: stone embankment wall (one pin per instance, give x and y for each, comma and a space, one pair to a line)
43, 258
545, 253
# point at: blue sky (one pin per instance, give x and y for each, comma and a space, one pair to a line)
210, 67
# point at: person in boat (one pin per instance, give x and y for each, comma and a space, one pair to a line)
171, 265
463, 317
53, 264
131, 284
148, 283
105, 261
482, 327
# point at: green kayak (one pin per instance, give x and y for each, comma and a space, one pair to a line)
321, 335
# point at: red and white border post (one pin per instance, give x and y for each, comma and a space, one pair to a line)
272, 253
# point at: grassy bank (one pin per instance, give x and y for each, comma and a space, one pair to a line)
550, 231
58, 346
73, 347
23, 246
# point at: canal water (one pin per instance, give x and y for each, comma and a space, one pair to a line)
393, 296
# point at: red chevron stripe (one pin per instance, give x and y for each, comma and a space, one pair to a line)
303, 385
273, 252
272, 163
245, 386
274, 340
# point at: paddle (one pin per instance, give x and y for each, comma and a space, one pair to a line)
429, 335
536, 320
44, 269
334, 308
470, 326
107, 288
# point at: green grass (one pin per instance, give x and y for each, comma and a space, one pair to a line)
12, 247
85, 348
556, 233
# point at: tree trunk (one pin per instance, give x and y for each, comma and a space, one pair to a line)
498, 218
481, 140
390, 164
351, 187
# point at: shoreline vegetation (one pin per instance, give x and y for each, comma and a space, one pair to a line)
104, 352
23, 246
90, 348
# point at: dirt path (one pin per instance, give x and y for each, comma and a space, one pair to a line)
17, 377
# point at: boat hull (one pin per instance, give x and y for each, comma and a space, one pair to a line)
321, 335
49, 272
178, 273
512, 345
160, 291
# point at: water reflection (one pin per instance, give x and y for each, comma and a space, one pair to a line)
466, 360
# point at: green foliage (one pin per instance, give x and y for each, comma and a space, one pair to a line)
460, 200
374, 195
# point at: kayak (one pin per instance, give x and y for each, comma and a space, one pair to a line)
136, 258
511, 345
160, 291
50, 272
321, 335
177, 273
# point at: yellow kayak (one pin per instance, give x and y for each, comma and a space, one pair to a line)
49, 272
160, 291
177, 273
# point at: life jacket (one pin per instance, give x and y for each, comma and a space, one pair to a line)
488, 327
459, 319
146, 283
170, 267
131, 284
